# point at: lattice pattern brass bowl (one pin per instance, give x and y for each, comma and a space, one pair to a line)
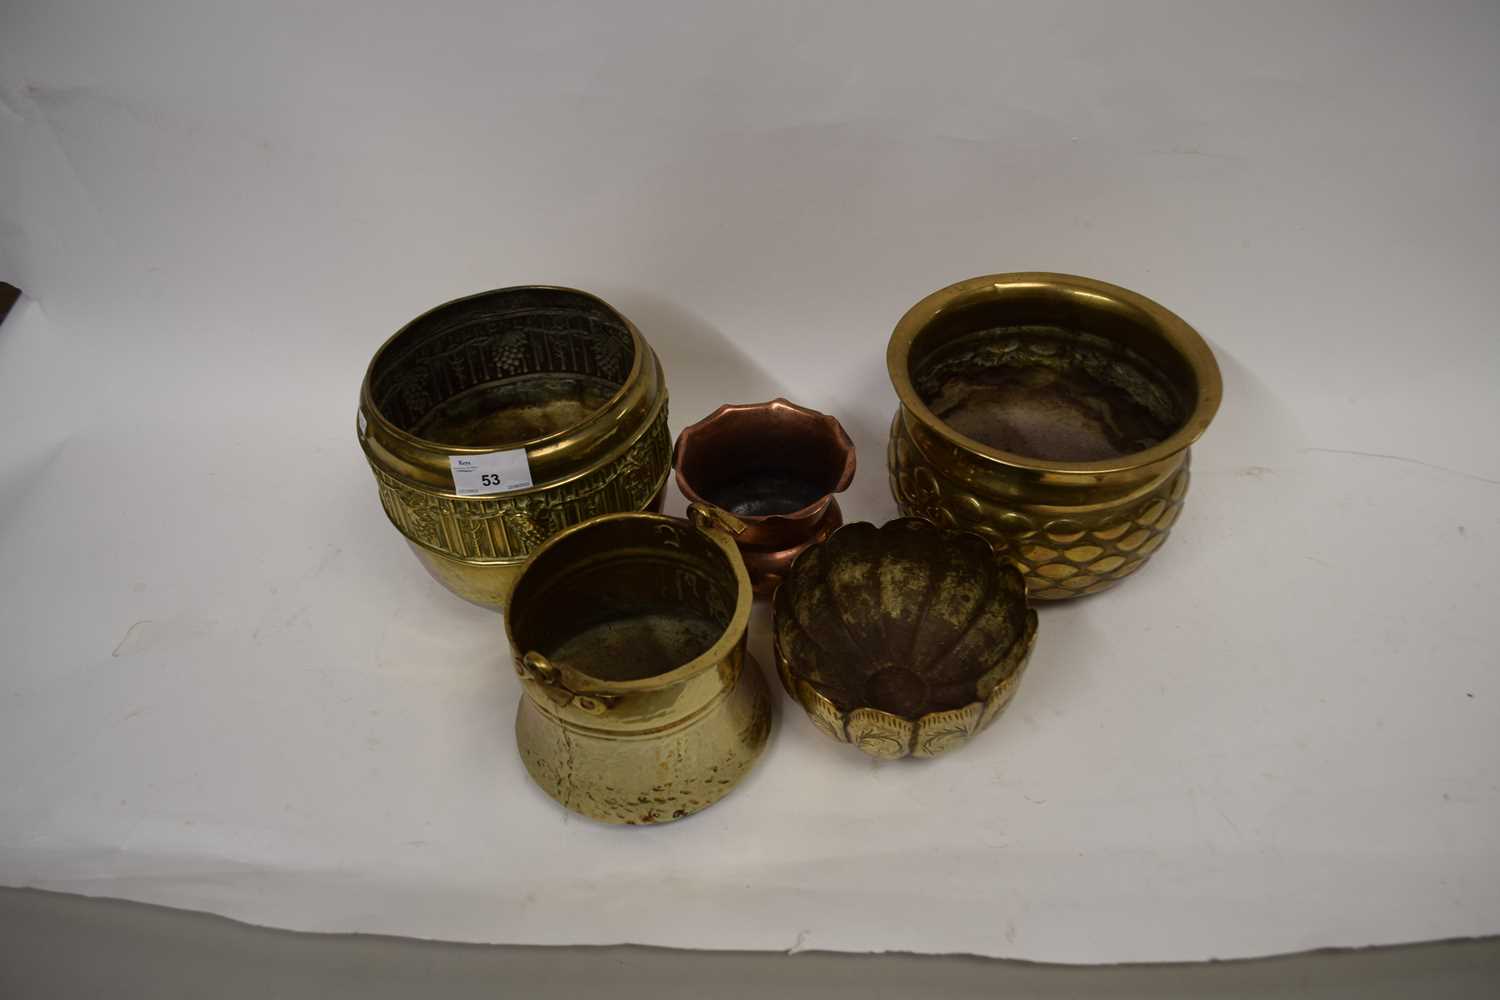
902, 639
1051, 414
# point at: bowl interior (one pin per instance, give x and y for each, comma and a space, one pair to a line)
755, 463
501, 368
623, 599
907, 618
1052, 377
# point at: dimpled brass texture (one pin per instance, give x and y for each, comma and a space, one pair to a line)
1051, 414
554, 371
641, 704
903, 639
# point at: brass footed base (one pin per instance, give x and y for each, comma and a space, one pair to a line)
485, 584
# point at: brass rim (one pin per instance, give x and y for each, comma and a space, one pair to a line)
1172, 328
367, 399
732, 636
550, 484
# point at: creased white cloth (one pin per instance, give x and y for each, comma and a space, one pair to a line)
227, 686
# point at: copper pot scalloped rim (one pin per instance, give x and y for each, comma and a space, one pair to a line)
787, 500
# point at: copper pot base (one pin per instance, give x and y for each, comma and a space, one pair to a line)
769, 566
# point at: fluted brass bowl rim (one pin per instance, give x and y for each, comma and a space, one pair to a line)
723, 648
1087, 293
555, 440
916, 729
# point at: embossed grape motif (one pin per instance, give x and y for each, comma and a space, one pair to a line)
504, 527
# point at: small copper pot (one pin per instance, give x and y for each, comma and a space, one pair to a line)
776, 467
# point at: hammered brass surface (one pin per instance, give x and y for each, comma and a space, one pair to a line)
906, 639
554, 371
1052, 415
641, 704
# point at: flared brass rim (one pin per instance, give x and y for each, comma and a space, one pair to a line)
1173, 329
367, 398
723, 647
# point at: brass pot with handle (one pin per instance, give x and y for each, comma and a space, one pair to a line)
641, 703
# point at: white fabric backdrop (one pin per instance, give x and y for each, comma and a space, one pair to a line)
227, 686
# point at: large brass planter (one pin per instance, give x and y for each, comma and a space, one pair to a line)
1051, 414
628, 632
552, 371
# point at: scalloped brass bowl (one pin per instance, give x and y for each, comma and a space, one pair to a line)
902, 639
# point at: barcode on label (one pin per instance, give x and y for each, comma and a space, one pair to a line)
495, 472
